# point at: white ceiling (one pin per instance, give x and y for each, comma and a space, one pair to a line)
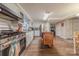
60, 10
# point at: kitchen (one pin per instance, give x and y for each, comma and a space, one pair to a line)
12, 32
39, 30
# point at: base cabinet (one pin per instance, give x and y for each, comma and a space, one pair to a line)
47, 38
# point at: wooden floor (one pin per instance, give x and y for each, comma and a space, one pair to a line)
60, 48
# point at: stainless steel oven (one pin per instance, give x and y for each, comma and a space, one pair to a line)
5, 52
22, 44
5, 49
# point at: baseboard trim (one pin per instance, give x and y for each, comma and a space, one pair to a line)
35, 36
66, 40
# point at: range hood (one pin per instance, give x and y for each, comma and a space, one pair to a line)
7, 13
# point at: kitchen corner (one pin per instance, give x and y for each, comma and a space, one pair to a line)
12, 35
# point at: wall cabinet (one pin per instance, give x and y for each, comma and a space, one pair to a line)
14, 7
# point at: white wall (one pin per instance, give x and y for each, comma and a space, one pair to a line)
37, 24
75, 24
60, 31
64, 31
69, 32
46, 27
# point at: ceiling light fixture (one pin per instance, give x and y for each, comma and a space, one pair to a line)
46, 15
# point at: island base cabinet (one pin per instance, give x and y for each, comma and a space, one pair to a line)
47, 38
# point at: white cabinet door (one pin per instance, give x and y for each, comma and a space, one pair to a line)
13, 7
36, 33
